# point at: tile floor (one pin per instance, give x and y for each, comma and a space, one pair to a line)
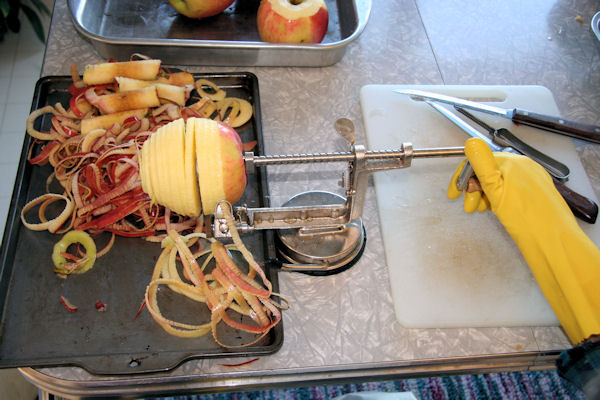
21, 57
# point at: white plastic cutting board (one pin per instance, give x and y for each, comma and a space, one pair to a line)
447, 268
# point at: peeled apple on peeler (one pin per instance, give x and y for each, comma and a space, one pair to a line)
190, 165
563, 259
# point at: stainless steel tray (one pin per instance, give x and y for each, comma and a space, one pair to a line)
36, 330
118, 28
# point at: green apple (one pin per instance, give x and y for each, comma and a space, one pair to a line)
200, 8
292, 21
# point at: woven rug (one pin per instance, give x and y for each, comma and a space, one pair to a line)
509, 385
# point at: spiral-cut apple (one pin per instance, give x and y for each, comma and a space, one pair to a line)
189, 166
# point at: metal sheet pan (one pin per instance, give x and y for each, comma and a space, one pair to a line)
36, 330
119, 28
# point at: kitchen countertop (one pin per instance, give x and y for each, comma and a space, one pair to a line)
343, 326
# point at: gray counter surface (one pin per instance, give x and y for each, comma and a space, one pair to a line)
343, 326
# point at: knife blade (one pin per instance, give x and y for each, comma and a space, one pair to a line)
576, 129
468, 128
581, 206
467, 171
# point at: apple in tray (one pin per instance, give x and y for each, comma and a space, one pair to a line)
200, 8
292, 21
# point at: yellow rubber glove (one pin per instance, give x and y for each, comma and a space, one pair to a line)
562, 258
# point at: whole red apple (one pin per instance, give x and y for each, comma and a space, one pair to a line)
200, 8
292, 21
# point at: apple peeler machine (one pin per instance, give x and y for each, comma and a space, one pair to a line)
319, 232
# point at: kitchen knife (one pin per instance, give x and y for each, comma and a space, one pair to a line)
582, 207
504, 137
576, 129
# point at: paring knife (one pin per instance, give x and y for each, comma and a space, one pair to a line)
576, 129
582, 207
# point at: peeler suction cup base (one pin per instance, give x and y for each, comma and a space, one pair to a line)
322, 250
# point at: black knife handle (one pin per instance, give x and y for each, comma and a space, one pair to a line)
582, 207
576, 129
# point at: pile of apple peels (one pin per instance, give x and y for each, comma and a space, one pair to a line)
278, 21
117, 150
232, 296
94, 146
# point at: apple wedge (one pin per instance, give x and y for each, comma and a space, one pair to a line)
124, 101
98, 74
171, 93
177, 79
108, 120
126, 84
166, 93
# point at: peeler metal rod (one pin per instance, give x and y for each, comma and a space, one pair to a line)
439, 152
349, 156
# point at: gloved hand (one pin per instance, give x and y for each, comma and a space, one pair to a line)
562, 258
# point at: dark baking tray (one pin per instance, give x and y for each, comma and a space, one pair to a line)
36, 330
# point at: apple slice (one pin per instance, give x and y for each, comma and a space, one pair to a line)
189, 169
220, 164
124, 101
177, 79
169, 142
126, 84
108, 120
292, 21
183, 172
145, 162
166, 93
167, 175
98, 74
174, 78
170, 93
156, 173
